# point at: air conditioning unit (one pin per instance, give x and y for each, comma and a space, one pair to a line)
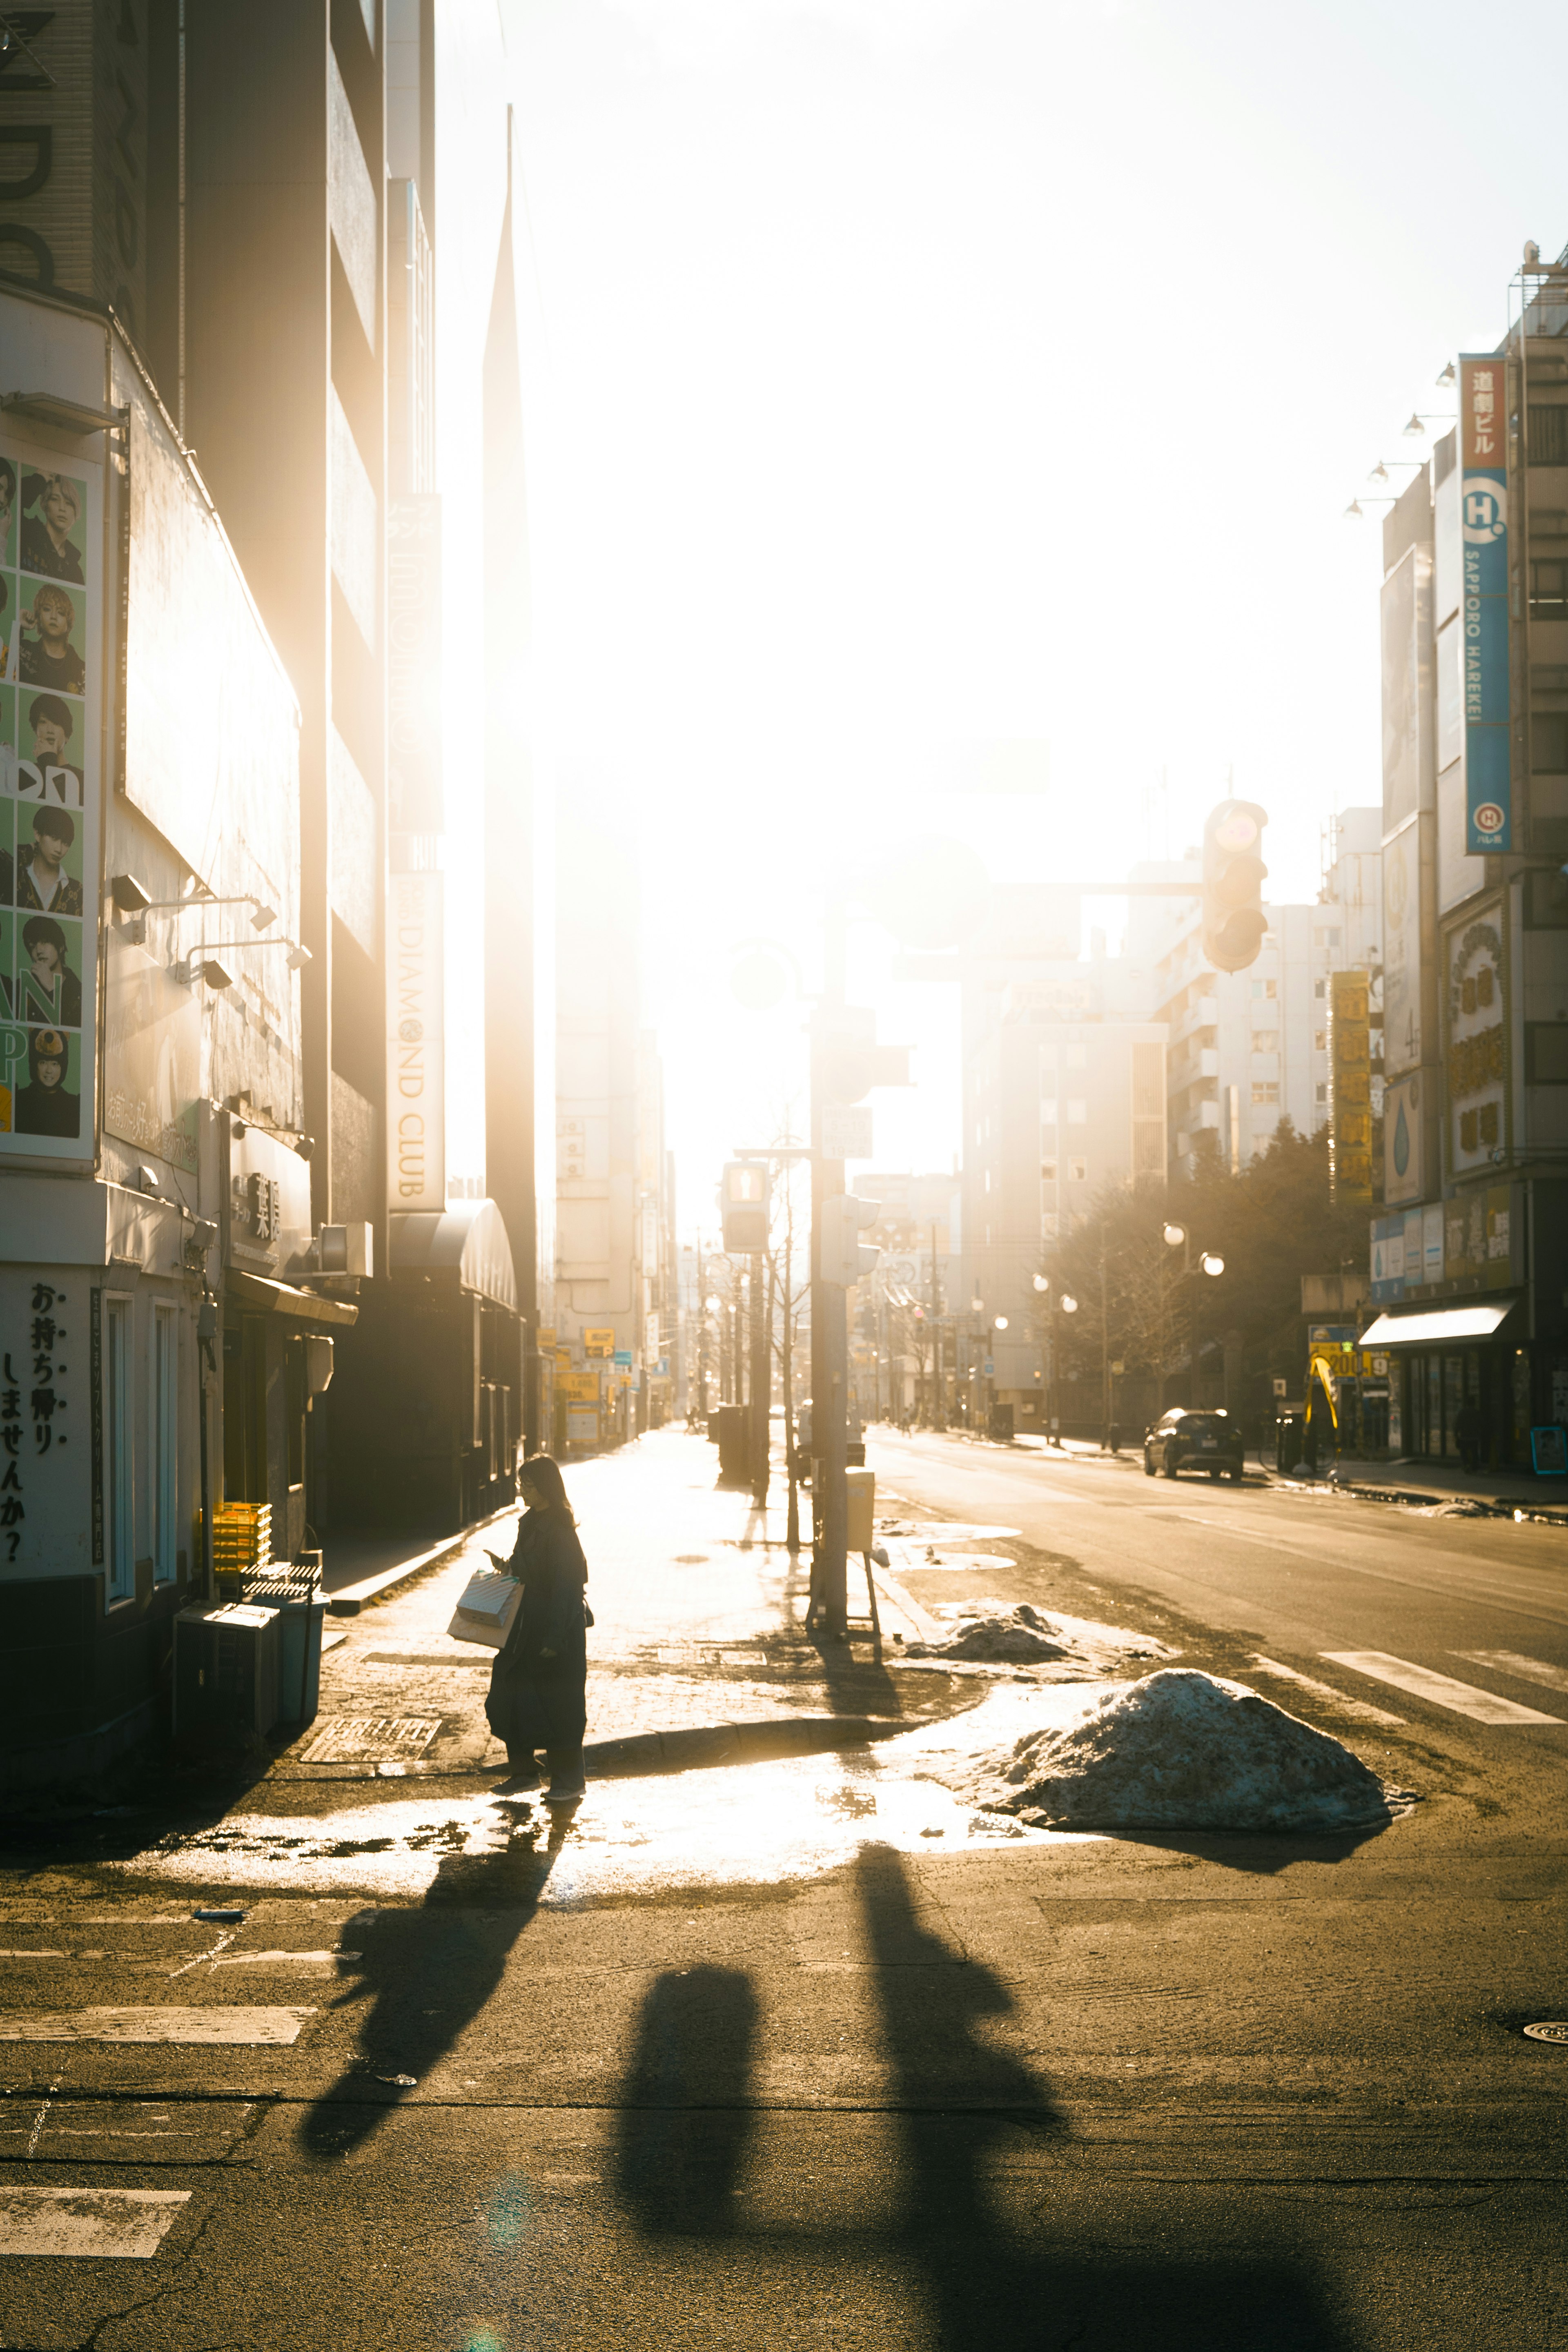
348, 1249
227, 1668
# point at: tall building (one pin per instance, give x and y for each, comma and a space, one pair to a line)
614, 1204
1470, 1258
346, 336
1250, 1048
269, 1101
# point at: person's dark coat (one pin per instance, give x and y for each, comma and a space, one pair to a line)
538, 1701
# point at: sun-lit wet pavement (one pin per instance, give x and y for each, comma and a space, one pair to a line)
774, 1823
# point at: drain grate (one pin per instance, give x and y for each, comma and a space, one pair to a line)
372, 1739
1555, 2031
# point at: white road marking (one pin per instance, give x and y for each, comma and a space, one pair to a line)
1361, 1708
21, 1954
1511, 1662
1461, 1698
257, 2028
282, 1959
127, 2223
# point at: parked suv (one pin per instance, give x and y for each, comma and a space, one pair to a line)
1193, 1441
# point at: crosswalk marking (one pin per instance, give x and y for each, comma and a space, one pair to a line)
1461, 1698
1360, 1709
258, 2028
1509, 1662
128, 2224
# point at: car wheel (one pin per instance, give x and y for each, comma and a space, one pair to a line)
1235, 1477
1147, 1463
1214, 1475
1169, 1465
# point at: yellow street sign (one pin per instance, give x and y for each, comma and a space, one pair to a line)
599, 1343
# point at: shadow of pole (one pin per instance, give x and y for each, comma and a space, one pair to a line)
427, 1973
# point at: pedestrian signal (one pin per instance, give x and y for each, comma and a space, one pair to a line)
1233, 875
744, 1199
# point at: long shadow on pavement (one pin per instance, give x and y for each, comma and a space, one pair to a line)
427, 1973
963, 2111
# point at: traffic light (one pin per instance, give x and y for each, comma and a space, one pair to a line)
1233, 875
844, 1257
743, 1200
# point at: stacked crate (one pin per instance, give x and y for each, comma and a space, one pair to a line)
242, 1543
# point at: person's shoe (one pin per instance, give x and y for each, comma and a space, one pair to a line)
564, 1796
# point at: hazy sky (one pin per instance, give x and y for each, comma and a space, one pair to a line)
912, 370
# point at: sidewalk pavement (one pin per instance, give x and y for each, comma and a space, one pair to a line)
699, 1628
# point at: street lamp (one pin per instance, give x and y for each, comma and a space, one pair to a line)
1001, 1324
1212, 1263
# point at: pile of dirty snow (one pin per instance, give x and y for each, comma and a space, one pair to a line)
1183, 1751
993, 1631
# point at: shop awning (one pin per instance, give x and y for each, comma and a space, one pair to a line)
303, 1306
465, 1246
1435, 1327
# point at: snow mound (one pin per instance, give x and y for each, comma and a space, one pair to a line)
1185, 1750
1025, 1636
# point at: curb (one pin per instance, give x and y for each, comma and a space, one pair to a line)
350, 1598
703, 1746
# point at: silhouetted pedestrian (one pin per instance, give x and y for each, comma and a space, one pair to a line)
1467, 1434
538, 1686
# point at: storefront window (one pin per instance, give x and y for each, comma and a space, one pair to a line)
1432, 1435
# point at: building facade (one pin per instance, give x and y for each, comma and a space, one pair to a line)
1469, 1259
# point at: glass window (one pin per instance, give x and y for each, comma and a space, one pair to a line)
1548, 590
1266, 1091
1078, 1171
1549, 728
1266, 1041
119, 1484
165, 1434
1546, 433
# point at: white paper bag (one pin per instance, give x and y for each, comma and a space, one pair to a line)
487, 1610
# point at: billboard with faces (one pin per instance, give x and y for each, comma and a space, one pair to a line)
50, 807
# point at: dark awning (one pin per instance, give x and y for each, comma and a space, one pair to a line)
465, 1246
1437, 1326
253, 1290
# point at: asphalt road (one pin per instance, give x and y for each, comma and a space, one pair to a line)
1160, 2091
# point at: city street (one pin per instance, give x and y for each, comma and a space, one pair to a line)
794, 2048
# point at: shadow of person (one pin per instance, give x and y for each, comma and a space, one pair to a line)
685, 2121
426, 1974
1003, 2268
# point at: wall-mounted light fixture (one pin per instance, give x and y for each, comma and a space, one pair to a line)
131, 900
202, 963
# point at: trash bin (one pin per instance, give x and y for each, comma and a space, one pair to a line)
1000, 1423
1290, 1441
734, 1445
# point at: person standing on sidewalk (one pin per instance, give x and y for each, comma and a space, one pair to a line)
538, 1685
1468, 1432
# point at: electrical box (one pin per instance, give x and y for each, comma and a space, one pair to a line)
227, 1668
862, 1492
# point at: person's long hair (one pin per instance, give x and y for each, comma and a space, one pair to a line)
543, 1473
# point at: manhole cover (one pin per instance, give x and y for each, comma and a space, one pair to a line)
1555, 2031
379, 1738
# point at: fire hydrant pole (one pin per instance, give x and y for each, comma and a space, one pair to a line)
829, 1316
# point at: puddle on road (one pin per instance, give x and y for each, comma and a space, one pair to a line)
735, 1825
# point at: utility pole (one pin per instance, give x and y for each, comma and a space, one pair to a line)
829, 1318
791, 1526
938, 1415
761, 1374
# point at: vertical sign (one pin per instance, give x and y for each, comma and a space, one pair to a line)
416, 1075
1350, 1086
50, 609
414, 669
1483, 522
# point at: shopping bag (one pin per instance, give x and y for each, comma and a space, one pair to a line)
487, 1610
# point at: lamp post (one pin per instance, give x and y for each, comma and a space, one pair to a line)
1209, 1262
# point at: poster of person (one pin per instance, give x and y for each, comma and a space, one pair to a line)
10, 608
10, 487
51, 626
51, 527
48, 638
45, 770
